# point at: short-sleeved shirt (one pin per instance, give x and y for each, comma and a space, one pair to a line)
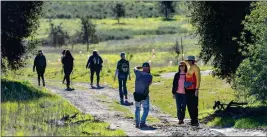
142, 81
123, 67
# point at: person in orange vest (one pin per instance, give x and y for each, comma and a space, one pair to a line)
192, 84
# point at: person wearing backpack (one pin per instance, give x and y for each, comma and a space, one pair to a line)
123, 71
95, 64
178, 91
141, 95
67, 61
192, 84
40, 65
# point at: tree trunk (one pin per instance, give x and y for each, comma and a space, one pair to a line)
72, 46
166, 12
87, 41
118, 20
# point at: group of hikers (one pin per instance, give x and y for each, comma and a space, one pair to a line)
185, 87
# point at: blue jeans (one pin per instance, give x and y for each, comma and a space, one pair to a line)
180, 105
145, 104
122, 85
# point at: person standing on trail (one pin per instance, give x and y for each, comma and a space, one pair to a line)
178, 91
141, 94
192, 84
95, 64
63, 54
40, 64
67, 61
123, 71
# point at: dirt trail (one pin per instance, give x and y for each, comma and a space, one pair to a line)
170, 75
90, 101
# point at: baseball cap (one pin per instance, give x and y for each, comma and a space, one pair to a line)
146, 64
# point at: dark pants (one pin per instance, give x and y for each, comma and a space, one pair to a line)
40, 73
97, 75
180, 105
122, 84
67, 73
192, 105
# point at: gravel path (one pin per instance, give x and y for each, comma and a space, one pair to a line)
170, 75
90, 101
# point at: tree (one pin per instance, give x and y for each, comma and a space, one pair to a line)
250, 81
88, 31
118, 11
57, 35
166, 8
219, 25
19, 21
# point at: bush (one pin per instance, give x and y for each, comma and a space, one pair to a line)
250, 80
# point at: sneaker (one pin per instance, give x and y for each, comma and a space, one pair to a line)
195, 124
137, 126
122, 102
143, 125
181, 122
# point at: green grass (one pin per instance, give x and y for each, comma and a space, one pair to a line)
109, 29
26, 110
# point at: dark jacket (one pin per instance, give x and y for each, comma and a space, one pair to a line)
175, 82
94, 62
67, 63
123, 66
39, 61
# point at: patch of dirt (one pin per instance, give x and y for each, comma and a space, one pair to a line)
88, 101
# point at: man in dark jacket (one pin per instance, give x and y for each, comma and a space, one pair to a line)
95, 64
40, 65
123, 71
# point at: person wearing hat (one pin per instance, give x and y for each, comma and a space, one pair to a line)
141, 95
40, 65
192, 84
95, 64
178, 91
123, 71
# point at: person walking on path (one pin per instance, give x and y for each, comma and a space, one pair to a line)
40, 65
63, 54
123, 71
68, 67
95, 64
178, 91
141, 94
192, 84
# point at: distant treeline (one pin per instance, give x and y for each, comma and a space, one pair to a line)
103, 9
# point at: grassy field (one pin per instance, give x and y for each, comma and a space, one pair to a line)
137, 36
128, 28
26, 111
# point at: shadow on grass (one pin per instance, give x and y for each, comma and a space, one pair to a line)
20, 91
169, 19
253, 117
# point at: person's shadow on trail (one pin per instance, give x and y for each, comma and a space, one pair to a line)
98, 87
70, 89
148, 128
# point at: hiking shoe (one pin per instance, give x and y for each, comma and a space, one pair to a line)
137, 126
195, 124
143, 125
122, 102
181, 122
